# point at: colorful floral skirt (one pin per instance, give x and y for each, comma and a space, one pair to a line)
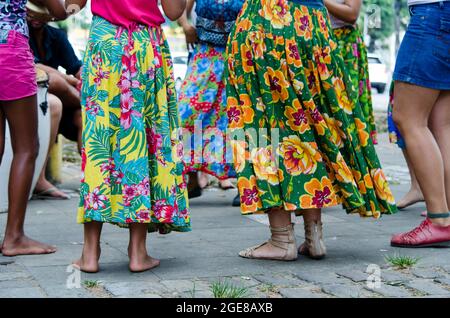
131, 170
298, 141
354, 52
202, 106
395, 136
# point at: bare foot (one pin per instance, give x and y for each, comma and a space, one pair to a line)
203, 180
140, 261
412, 197
45, 190
88, 262
226, 185
25, 246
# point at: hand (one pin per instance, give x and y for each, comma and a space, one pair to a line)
73, 81
191, 35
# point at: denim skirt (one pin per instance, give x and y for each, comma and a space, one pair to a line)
424, 55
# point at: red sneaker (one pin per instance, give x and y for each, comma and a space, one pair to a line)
426, 234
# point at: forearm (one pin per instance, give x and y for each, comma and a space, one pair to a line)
348, 11
173, 8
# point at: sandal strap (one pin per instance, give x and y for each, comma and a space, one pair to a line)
438, 215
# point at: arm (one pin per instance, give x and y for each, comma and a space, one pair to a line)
61, 9
49, 70
173, 8
347, 11
189, 30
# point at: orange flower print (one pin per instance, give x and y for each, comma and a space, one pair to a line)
292, 54
323, 59
297, 117
277, 83
303, 23
299, 157
256, 41
239, 113
277, 12
362, 132
344, 103
250, 201
312, 77
264, 165
323, 25
247, 59
243, 25
319, 194
382, 186
290, 206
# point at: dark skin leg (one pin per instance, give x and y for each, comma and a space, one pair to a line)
60, 87
140, 261
2, 134
22, 118
78, 122
89, 259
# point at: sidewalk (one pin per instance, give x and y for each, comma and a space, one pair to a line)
191, 262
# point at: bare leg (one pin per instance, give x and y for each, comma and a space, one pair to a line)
2, 133
43, 184
78, 123
411, 113
414, 194
140, 261
203, 180
91, 249
440, 126
22, 120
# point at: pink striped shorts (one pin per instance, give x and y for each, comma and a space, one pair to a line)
17, 73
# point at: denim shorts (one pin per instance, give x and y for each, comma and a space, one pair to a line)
424, 55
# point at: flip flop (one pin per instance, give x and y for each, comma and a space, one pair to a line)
409, 204
49, 195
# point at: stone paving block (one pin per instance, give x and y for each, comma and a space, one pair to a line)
317, 277
184, 285
134, 289
25, 292
427, 287
443, 280
18, 283
391, 277
355, 275
13, 275
427, 273
279, 279
58, 291
390, 291
342, 291
299, 293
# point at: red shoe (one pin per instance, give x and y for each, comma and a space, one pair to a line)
426, 234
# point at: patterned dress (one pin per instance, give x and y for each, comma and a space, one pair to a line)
354, 52
13, 17
395, 136
131, 157
202, 98
299, 141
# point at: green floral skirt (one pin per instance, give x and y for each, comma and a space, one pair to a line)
354, 52
298, 140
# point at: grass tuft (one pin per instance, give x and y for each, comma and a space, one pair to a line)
223, 289
402, 262
91, 283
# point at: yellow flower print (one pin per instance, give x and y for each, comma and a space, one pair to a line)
299, 157
297, 117
323, 24
277, 12
344, 103
323, 59
342, 171
264, 165
260, 104
320, 193
382, 186
362, 132
240, 154
243, 25
337, 134
303, 23
277, 83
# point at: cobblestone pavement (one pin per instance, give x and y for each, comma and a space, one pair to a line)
355, 266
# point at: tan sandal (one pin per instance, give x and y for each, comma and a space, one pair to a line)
313, 246
282, 238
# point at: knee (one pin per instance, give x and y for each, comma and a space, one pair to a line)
57, 84
398, 118
56, 107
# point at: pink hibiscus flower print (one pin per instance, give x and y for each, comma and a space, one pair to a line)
96, 200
